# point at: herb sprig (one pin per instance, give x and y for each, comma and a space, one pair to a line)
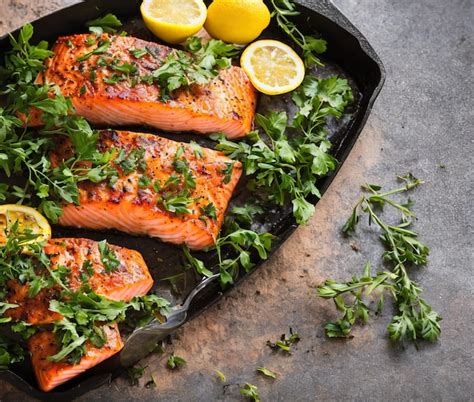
415, 318
23, 150
287, 167
197, 65
311, 46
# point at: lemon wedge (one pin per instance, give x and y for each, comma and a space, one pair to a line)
174, 20
273, 67
27, 218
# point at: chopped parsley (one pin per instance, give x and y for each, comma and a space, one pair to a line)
108, 257
101, 48
209, 211
138, 53
144, 181
178, 203
175, 362
227, 172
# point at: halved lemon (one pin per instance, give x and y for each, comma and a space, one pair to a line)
174, 20
273, 67
27, 218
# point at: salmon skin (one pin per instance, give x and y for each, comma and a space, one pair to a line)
107, 88
131, 278
52, 374
177, 192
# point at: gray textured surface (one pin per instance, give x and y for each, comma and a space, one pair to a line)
423, 119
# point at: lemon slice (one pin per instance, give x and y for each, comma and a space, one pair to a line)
273, 67
27, 218
174, 20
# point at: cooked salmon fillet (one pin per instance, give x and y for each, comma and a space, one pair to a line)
103, 93
143, 200
131, 278
51, 374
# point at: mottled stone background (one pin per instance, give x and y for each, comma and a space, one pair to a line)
423, 120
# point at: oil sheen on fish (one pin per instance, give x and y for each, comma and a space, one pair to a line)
51, 374
175, 191
103, 78
82, 258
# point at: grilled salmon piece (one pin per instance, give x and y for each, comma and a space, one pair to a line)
149, 199
51, 374
83, 259
105, 95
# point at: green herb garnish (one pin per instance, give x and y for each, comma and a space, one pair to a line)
310, 45
415, 318
285, 342
175, 362
108, 23
250, 391
108, 257
101, 48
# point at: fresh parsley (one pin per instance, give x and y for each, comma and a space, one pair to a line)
285, 342
198, 65
250, 391
266, 372
415, 318
108, 23
108, 257
311, 46
101, 48
175, 362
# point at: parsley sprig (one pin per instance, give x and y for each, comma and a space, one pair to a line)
415, 318
28, 151
197, 65
311, 46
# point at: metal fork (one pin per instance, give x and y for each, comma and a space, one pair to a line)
143, 340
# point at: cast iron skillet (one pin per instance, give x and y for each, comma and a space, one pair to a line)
349, 55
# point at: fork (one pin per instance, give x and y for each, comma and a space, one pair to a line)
143, 340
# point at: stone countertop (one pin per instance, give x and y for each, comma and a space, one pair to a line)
422, 122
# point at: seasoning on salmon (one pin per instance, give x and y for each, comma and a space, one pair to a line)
108, 85
52, 374
83, 259
175, 191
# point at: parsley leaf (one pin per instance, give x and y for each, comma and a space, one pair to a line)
175, 362
250, 391
108, 257
108, 23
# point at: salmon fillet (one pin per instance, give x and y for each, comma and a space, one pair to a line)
51, 374
131, 278
169, 170
226, 104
